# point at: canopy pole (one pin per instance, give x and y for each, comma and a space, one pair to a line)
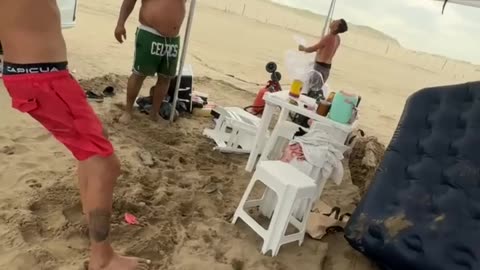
329, 17
182, 58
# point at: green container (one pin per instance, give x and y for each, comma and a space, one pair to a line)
342, 107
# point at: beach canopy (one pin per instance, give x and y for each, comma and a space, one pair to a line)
472, 3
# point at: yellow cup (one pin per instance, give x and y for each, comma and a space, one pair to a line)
296, 88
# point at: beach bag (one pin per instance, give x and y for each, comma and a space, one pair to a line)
324, 219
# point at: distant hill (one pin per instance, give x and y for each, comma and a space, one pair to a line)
364, 30
374, 33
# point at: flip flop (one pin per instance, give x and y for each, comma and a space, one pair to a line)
109, 91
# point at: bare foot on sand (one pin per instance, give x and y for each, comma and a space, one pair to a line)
123, 263
125, 118
160, 122
154, 117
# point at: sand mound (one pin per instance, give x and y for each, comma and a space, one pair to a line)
98, 84
365, 157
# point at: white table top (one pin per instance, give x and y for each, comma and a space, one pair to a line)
282, 98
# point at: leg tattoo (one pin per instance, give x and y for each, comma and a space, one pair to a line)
99, 225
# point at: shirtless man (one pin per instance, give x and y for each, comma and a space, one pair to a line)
157, 48
39, 83
326, 48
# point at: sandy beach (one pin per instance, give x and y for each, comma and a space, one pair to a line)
183, 192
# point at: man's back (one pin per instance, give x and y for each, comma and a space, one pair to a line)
30, 31
326, 54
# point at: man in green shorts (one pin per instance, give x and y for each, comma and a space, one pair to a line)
157, 48
155, 53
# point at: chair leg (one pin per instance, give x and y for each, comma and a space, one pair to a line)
244, 199
270, 199
306, 216
282, 219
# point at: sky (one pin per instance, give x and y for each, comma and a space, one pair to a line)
416, 24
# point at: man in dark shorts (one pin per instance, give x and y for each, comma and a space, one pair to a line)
157, 48
39, 83
326, 48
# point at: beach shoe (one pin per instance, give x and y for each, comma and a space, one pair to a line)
325, 220
94, 97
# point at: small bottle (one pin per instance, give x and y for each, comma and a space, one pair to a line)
330, 97
323, 107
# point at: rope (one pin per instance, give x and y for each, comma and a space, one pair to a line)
444, 4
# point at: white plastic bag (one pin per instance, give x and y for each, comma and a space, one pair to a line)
313, 81
297, 64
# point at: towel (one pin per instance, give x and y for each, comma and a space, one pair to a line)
321, 151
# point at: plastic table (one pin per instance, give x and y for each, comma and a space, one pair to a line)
281, 99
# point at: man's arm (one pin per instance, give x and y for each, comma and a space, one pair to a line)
316, 47
125, 11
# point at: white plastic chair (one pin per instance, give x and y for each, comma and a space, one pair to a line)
286, 131
234, 131
291, 186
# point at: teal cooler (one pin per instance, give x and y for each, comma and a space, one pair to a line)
342, 107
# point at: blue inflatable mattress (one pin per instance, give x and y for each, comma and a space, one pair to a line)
422, 210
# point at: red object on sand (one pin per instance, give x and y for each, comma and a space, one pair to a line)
259, 102
131, 219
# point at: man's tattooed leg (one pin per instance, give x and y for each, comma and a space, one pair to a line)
99, 225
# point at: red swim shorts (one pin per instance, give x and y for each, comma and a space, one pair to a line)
57, 101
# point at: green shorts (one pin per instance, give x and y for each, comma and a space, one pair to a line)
155, 54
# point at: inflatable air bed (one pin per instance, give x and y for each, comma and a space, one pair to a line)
422, 210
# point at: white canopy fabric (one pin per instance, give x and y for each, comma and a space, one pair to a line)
471, 3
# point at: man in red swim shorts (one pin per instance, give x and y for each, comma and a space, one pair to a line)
37, 79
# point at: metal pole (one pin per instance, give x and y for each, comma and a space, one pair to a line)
182, 58
333, 11
329, 17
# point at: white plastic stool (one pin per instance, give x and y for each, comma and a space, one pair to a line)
291, 186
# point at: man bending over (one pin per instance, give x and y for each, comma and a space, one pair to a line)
326, 48
39, 83
157, 48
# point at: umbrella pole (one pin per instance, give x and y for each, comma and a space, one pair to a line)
182, 59
329, 17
